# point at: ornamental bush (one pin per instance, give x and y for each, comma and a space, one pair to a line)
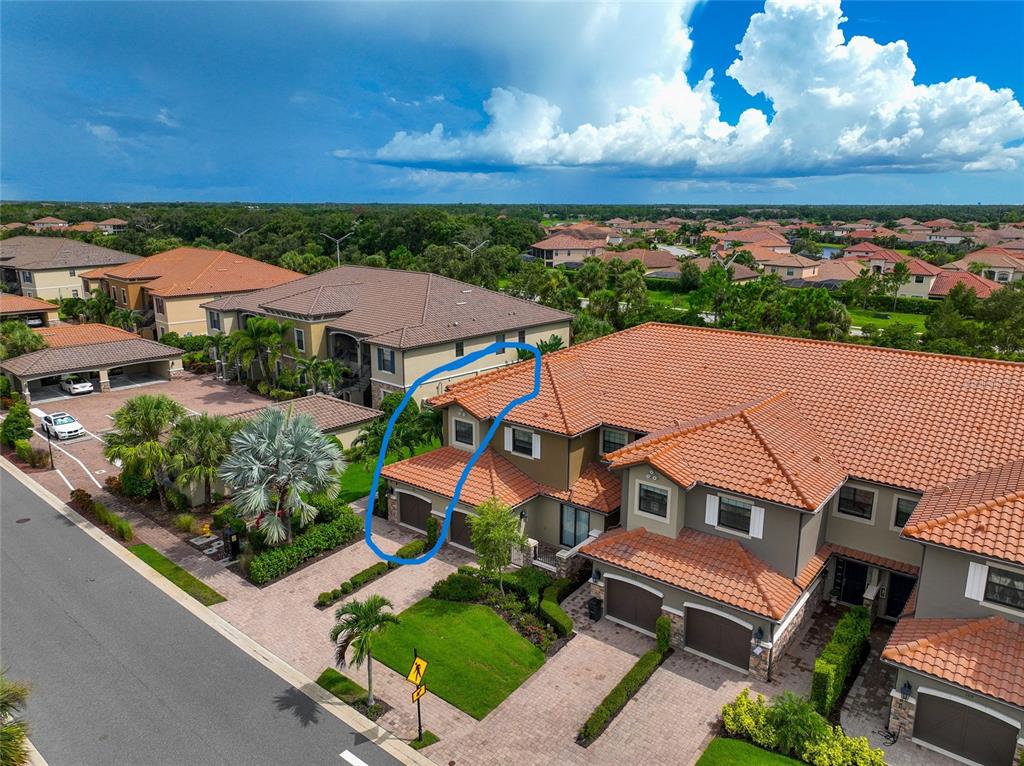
135, 485
553, 614
184, 522
747, 717
458, 587
411, 550
17, 425
371, 573
663, 633
23, 450
796, 723
617, 698
80, 500
838, 658
432, 532
318, 538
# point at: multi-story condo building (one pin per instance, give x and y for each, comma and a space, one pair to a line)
391, 328
50, 268
733, 481
169, 288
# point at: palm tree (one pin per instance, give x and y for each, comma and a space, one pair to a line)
249, 344
279, 342
139, 438
198, 447
126, 319
313, 370
277, 459
99, 307
332, 371
13, 728
357, 622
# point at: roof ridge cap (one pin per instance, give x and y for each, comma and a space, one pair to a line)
558, 399
752, 568
771, 453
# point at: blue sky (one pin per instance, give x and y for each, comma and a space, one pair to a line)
431, 102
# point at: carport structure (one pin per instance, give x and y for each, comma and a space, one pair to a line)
107, 355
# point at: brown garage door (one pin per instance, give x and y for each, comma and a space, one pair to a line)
718, 637
413, 511
964, 731
631, 604
460, 529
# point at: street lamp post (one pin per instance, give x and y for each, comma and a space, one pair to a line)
338, 240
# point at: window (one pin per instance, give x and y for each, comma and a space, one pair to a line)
386, 359
26, 277
904, 507
522, 442
575, 526
789, 272
613, 439
522, 336
214, 320
499, 338
1005, 587
919, 279
124, 296
113, 292
72, 272
856, 502
653, 500
464, 432
1002, 276
300, 339
734, 514
460, 348
74, 293
158, 305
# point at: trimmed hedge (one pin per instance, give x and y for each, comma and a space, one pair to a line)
553, 614
663, 633
617, 698
838, 658
409, 551
368, 575
904, 305
275, 562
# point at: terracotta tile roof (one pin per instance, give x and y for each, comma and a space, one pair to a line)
438, 471
651, 259
195, 271
761, 253
911, 606
705, 564
597, 488
330, 413
842, 269
985, 656
991, 256
869, 248
60, 336
947, 280
21, 304
432, 309
939, 223
919, 267
113, 222
566, 242
49, 219
821, 556
983, 513
765, 450
790, 259
57, 253
949, 417
763, 236
740, 272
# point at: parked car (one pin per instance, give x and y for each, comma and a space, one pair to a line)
62, 425
75, 384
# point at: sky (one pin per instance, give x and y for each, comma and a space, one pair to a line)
781, 101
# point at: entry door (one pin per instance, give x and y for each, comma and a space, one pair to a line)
855, 580
575, 526
899, 591
964, 731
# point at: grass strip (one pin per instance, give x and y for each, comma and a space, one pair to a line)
194, 587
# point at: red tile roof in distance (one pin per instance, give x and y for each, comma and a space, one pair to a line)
597, 488
61, 336
947, 280
905, 418
21, 304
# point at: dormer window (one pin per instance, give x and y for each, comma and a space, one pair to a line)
613, 439
463, 432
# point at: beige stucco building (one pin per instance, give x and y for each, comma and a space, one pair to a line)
50, 267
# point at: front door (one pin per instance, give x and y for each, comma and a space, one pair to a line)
899, 591
855, 580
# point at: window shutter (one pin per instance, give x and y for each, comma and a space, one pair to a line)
977, 575
536, 446
508, 439
711, 511
757, 522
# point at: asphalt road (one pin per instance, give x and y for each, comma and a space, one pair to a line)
121, 674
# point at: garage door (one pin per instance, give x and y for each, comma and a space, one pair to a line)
460, 529
631, 604
964, 731
718, 637
413, 511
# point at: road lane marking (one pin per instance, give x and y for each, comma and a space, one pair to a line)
355, 760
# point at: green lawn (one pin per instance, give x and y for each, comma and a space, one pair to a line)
429, 738
861, 317
197, 589
357, 478
667, 298
342, 687
475, 660
736, 752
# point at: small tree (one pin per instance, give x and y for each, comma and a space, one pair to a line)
17, 425
198, 447
13, 728
689, 275
356, 624
17, 338
894, 280
495, 533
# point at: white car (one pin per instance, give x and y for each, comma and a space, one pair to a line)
75, 384
62, 425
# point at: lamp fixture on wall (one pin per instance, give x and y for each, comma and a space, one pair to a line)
905, 691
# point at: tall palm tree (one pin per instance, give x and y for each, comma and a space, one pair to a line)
356, 624
13, 728
139, 438
332, 371
276, 459
279, 343
249, 344
99, 307
126, 319
313, 370
198, 447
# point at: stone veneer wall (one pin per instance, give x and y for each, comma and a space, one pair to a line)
799, 622
901, 714
379, 390
392, 508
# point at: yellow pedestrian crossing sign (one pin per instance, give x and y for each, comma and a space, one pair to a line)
420, 691
419, 667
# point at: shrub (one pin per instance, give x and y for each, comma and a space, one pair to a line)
432, 532
23, 450
177, 500
263, 388
617, 698
123, 529
80, 500
837, 749
39, 458
328, 508
553, 614
17, 425
223, 516
747, 717
345, 588
281, 394
528, 582
5, 387
136, 485
838, 657
457, 587
663, 633
184, 522
275, 562
411, 550
371, 573
796, 723
325, 599
113, 485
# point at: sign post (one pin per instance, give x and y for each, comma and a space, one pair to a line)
415, 676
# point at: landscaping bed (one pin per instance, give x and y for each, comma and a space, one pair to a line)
351, 693
366, 576
193, 586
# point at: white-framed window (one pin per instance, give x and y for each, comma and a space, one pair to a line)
902, 508
613, 439
789, 272
300, 339
856, 502
652, 500
158, 305
26, 277
124, 296
460, 348
522, 441
74, 293
214, 319
499, 338
1005, 588
734, 515
385, 359
463, 432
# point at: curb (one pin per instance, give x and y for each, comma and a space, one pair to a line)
366, 728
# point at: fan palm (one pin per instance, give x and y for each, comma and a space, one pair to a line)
139, 438
126, 319
356, 624
250, 344
276, 460
99, 307
198, 447
13, 728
